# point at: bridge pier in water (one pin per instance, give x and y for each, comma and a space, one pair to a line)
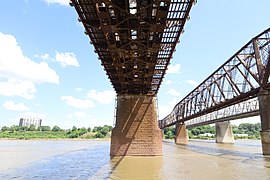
224, 133
264, 104
136, 132
181, 134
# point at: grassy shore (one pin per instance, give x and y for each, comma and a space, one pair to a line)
46, 135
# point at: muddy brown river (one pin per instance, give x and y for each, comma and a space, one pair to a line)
75, 159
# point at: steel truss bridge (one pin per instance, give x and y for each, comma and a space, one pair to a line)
231, 91
134, 39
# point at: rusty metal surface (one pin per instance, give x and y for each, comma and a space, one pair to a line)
134, 39
239, 79
244, 109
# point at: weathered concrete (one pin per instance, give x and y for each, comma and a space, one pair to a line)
224, 133
264, 104
181, 134
136, 131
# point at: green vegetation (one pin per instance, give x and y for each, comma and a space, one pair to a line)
208, 132
45, 132
252, 130
169, 132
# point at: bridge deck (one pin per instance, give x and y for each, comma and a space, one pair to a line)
134, 39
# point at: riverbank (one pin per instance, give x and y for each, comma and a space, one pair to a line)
45, 132
57, 139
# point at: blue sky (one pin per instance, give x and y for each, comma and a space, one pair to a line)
48, 68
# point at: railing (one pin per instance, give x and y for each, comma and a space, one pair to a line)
241, 110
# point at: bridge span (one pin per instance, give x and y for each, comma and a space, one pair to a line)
134, 40
239, 88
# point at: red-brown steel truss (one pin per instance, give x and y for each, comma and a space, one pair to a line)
134, 39
239, 79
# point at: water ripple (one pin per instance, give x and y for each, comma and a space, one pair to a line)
80, 164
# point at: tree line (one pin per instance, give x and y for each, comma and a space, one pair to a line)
252, 130
31, 132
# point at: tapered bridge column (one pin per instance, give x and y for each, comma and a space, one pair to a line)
264, 104
136, 131
181, 134
224, 133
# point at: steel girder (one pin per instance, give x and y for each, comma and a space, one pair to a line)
244, 109
134, 39
240, 78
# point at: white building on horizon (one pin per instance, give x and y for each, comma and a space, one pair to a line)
30, 121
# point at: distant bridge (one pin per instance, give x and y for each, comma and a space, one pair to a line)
231, 91
239, 88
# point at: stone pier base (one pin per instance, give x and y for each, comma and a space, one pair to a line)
181, 134
265, 139
264, 104
136, 132
224, 133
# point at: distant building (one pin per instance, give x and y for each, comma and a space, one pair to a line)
241, 135
207, 135
30, 121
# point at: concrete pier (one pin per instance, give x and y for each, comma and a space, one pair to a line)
224, 133
181, 134
136, 132
264, 104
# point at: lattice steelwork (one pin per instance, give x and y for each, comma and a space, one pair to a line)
244, 109
134, 39
240, 78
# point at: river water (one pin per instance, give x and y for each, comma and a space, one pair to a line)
75, 159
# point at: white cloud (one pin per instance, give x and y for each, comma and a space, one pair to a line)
168, 82
17, 88
164, 111
61, 2
78, 89
76, 115
33, 115
78, 103
103, 97
18, 73
174, 101
44, 56
66, 59
69, 116
10, 105
173, 92
192, 82
173, 68
13, 64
